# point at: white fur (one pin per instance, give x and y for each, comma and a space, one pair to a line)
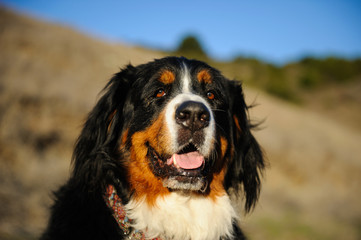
180, 217
173, 126
187, 95
172, 183
186, 79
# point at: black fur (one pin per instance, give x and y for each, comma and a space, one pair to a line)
80, 211
248, 161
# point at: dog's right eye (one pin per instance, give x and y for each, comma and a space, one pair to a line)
160, 93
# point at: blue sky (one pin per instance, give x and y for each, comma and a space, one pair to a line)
275, 30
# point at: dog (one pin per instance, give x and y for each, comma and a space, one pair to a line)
160, 156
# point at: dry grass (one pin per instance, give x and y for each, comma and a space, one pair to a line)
311, 189
50, 77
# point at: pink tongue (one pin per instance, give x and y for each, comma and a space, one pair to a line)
191, 160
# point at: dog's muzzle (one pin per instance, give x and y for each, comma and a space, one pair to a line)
187, 166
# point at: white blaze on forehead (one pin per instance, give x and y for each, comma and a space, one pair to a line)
186, 80
187, 95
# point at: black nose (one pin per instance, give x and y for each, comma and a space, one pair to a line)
192, 115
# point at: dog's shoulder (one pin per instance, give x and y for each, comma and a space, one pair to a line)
79, 214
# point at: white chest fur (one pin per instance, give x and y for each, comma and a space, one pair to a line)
176, 216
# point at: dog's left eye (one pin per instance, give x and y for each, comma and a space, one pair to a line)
160, 93
211, 95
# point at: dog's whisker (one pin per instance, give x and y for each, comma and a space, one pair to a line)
218, 110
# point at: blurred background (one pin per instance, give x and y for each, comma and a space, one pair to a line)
300, 62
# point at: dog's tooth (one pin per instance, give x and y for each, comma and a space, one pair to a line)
175, 161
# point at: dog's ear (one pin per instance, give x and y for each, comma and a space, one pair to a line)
247, 161
97, 145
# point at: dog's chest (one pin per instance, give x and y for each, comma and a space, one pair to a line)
182, 217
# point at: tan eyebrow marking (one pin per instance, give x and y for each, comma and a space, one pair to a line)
204, 76
167, 77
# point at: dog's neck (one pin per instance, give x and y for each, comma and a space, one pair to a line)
174, 216
114, 202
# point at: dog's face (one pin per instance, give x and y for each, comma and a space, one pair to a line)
179, 125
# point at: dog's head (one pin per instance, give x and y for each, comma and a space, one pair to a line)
170, 125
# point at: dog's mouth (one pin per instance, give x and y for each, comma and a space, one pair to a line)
185, 170
187, 159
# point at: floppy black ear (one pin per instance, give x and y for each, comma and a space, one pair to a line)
247, 163
97, 146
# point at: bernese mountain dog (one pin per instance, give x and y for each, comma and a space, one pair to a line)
159, 157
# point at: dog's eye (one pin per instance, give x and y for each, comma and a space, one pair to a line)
210, 95
160, 93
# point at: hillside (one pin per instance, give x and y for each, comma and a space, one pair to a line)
51, 76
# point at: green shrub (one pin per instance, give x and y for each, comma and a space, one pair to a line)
191, 47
